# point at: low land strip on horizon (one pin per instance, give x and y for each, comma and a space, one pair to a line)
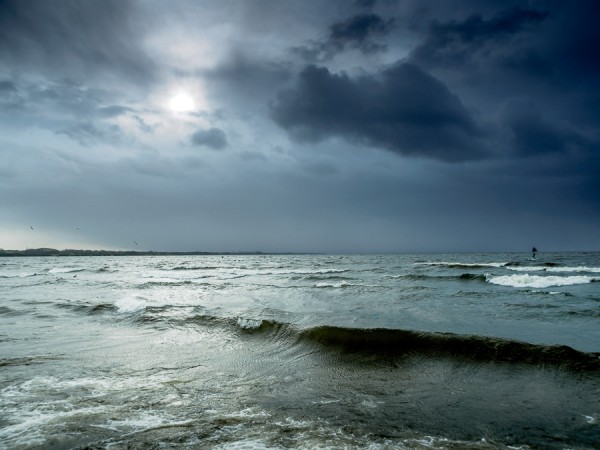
72, 252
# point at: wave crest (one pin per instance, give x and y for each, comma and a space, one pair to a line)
537, 281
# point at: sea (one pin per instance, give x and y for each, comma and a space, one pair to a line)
407, 351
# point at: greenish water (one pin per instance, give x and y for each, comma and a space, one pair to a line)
310, 351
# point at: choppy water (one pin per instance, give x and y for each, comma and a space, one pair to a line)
311, 351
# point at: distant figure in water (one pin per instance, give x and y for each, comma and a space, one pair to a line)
533, 252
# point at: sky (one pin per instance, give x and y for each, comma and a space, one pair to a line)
300, 126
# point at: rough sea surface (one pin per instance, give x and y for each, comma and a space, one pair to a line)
453, 351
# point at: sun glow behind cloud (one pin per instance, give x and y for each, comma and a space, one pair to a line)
182, 102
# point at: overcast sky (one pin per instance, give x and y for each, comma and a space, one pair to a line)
310, 126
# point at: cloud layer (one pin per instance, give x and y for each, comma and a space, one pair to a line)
402, 109
317, 126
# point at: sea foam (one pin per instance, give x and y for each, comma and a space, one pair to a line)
563, 269
64, 269
130, 304
536, 281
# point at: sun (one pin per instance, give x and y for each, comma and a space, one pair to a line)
182, 102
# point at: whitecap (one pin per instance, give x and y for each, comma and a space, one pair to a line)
130, 304
332, 285
460, 264
249, 324
527, 268
246, 444
574, 269
64, 269
555, 269
536, 281
144, 421
18, 275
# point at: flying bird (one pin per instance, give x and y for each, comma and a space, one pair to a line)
31, 227
135, 242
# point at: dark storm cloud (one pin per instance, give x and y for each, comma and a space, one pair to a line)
246, 76
536, 135
552, 45
456, 42
214, 138
402, 109
78, 38
509, 88
367, 4
359, 32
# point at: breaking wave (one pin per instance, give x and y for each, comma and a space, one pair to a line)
65, 269
536, 281
564, 269
461, 265
382, 343
130, 304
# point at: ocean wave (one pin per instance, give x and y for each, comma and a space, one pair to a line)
473, 276
306, 272
28, 360
340, 285
18, 275
564, 269
461, 265
87, 308
131, 304
387, 342
167, 282
199, 268
424, 277
5, 310
332, 277
65, 270
536, 281
382, 343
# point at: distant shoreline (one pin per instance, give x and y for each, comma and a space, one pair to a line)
72, 252
82, 252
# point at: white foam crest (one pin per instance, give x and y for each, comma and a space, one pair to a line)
305, 271
17, 275
248, 413
249, 324
143, 422
527, 268
332, 285
92, 386
31, 417
246, 444
130, 304
29, 431
536, 281
554, 269
460, 264
574, 269
65, 269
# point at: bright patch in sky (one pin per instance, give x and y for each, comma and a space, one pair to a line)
182, 102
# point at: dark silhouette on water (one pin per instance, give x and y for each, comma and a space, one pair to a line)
533, 252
